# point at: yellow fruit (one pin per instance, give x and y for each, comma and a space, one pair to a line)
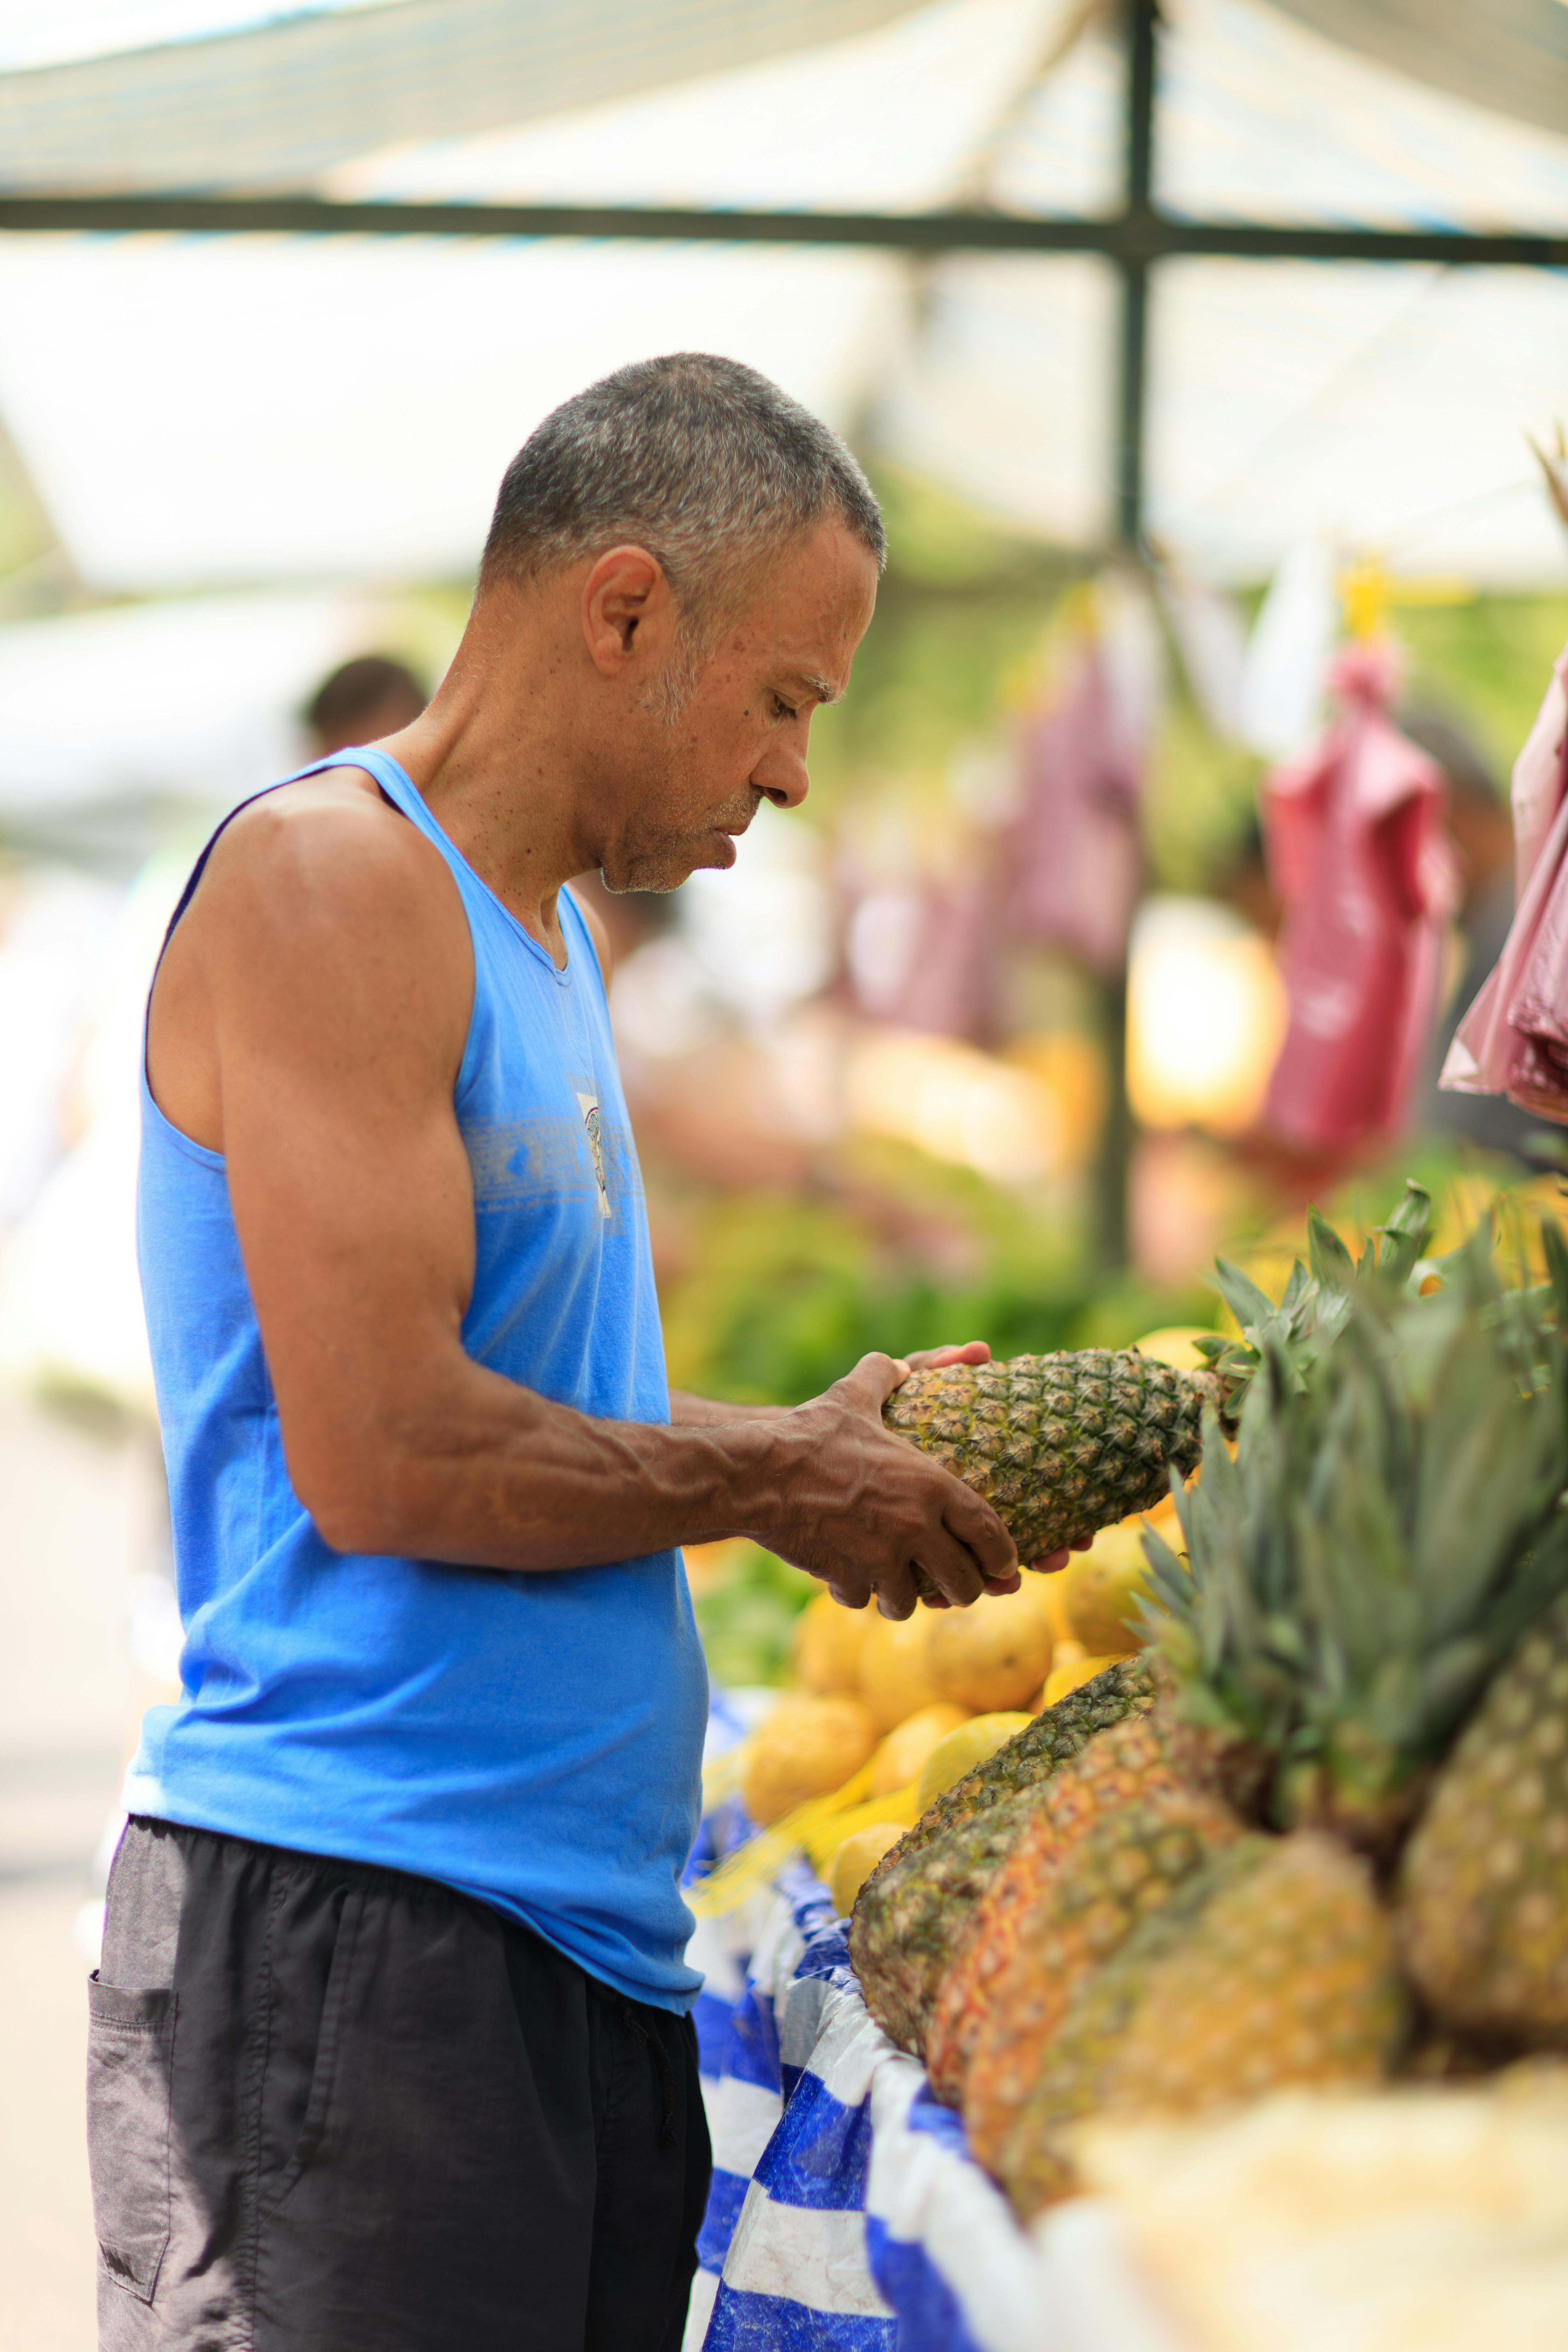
808, 1747
855, 1860
901, 1760
995, 1654
1173, 1344
1062, 1679
1103, 1588
962, 1750
828, 1641
1053, 1591
895, 1668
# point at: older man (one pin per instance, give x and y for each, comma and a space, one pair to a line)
390, 2044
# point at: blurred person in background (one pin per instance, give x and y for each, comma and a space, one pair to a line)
363, 700
390, 2045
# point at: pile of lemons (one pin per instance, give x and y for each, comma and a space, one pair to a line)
885, 1717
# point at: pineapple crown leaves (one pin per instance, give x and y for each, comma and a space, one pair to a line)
1391, 1523
1315, 1303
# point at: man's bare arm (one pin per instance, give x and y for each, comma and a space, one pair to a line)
324, 971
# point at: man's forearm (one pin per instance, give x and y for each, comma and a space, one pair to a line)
489, 1475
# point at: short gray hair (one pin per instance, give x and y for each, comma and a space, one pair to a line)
699, 459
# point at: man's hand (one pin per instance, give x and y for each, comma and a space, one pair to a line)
862, 1508
977, 1351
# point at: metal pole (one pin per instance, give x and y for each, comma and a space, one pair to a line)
1141, 29
1116, 1138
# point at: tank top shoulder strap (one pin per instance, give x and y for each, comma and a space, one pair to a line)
391, 778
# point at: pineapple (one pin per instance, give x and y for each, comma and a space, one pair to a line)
1388, 1527
1484, 1885
1062, 1446
1129, 1762
910, 1911
1272, 1965
1059, 1445
1122, 1867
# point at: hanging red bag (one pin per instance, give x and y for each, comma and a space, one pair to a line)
1359, 859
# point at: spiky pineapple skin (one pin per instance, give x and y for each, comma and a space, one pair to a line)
1130, 1761
1125, 1867
1272, 1965
1031, 2160
910, 1911
1059, 1445
1483, 1892
1289, 1976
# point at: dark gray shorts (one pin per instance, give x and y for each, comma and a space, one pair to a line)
337, 2109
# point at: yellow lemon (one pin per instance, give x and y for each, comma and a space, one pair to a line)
895, 1668
855, 1860
901, 1760
808, 1747
828, 1641
996, 1653
1104, 1586
962, 1750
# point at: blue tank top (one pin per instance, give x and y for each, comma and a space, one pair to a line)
531, 1740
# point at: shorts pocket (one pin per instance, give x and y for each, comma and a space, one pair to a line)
329, 2042
130, 2084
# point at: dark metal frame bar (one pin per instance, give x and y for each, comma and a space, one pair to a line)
1133, 240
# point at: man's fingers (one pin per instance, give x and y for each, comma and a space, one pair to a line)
978, 1529
872, 1381
950, 1567
896, 1594
1050, 1561
932, 1360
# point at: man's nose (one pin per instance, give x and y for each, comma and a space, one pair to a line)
781, 775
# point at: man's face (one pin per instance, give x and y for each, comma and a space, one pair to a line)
693, 781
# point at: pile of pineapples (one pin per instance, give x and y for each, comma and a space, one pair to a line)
1316, 1832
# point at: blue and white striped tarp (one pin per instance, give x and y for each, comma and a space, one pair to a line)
846, 2214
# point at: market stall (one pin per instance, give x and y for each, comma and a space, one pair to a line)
1276, 1886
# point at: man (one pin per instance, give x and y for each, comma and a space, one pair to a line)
390, 2049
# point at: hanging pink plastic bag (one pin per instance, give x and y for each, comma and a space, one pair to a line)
1074, 855
1358, 855
1513, 1040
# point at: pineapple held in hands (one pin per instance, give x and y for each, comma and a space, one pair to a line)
1059, 1445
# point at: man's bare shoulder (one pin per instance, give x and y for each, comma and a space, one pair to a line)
325, 929
328, 846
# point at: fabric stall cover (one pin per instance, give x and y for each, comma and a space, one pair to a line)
1073, 854
1513, 1040
1359, 858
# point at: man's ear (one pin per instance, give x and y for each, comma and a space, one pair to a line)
625, 588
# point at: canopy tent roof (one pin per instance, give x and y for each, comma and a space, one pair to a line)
196, 410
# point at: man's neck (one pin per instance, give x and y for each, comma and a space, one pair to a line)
498, 773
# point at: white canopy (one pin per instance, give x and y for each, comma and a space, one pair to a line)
197, 410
